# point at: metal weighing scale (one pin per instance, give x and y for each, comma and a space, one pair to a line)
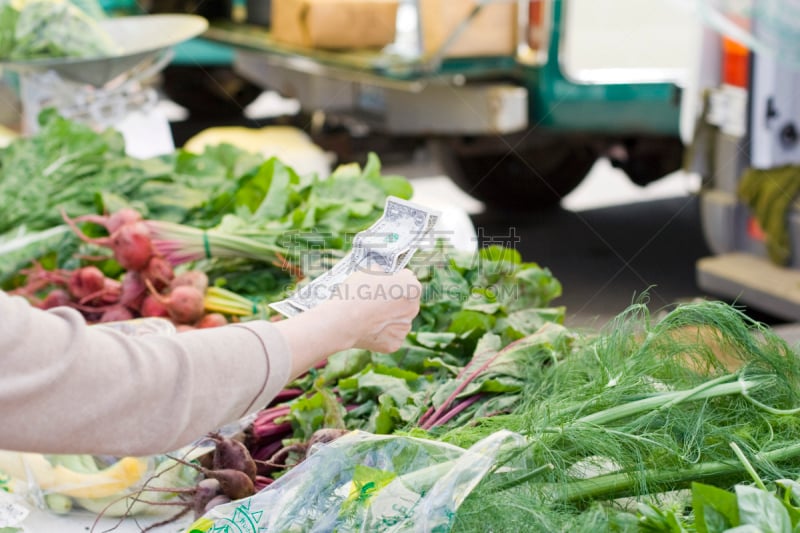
758, 126
111, 91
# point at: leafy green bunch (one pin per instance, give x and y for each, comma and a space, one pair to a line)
483, 325
69, 167
45, 29
639, 410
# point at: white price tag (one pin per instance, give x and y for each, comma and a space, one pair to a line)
728, 110
147, 134
735, 122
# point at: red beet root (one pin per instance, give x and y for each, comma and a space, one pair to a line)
132, 246
129, 242
122, 217
235, 484
56, 298
113, 221
132, 290
185, 304
211, 320
326, 435
116, 314
86, 281
205, 491
152, 306
194, 278
109, 294
159, 272
232, 454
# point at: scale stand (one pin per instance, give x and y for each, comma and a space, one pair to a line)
127, 105
111, 91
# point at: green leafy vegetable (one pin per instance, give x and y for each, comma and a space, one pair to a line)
35, 29
659, 406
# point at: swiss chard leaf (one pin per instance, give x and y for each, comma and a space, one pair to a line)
308, 415
715, 509
465, 322
346, 363
791, 498
277, 180
762, 509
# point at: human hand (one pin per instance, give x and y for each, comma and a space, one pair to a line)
376, 308
369, 310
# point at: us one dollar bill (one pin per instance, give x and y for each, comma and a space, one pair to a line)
387, 245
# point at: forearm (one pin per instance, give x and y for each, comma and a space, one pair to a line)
373, 311
69, 388
311, 336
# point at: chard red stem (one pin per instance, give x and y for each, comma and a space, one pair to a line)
271, 413
446, 417
269, 430
466, 381
425, 416
267, 422
265, 451
266, 419
285, 395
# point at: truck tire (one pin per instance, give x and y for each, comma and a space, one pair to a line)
647, 159
535, 175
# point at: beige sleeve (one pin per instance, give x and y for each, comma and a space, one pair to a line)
69, 388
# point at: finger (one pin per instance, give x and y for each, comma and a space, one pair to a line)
403, 320
396, 331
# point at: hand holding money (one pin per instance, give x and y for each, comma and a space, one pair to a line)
379, 308
370, 310
386, 246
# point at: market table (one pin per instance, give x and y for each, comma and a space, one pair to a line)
81, 522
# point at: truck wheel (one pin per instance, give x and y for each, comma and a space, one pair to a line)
535, 175
210, 92
647, 159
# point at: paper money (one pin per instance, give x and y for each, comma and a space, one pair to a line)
404, 257
402, 224
388, 244
323, 286
286, 308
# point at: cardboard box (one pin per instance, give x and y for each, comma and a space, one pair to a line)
334, 24
492, 32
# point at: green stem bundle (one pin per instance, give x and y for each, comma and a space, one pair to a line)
227, 302
622, 484
181, 244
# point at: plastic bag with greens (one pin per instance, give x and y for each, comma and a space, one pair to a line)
366, 483
38, 29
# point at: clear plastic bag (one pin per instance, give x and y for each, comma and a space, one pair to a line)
367, 483
109, 486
